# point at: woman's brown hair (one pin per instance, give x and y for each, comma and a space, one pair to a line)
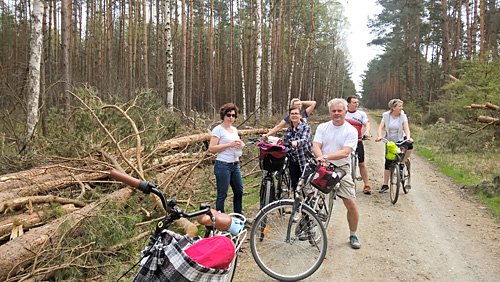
226, 108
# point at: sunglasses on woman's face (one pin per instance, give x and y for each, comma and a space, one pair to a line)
231, 115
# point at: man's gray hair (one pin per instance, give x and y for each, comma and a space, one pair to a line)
337, 101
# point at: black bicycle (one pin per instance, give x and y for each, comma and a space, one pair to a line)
165, 258
400, 176
354, 164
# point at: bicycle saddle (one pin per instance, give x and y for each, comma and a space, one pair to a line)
222, 220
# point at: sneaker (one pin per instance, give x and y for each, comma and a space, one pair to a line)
401, 166
384, 188
367, 190
355, 244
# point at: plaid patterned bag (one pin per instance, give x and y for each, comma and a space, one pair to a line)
168, 262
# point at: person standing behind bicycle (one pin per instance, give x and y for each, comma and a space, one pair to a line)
358, 118
396, 126
295, 102
227, 144
299, 136
333, 142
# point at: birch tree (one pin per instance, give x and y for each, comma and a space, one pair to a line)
169, 56
258, 61
34, 68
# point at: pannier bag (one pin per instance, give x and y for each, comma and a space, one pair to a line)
272, 157
392, 151
325, 178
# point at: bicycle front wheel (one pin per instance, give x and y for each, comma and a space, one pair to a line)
395, 182
354, 164
326, 207
292, 249
407, 179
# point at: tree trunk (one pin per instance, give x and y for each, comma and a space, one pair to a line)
34, 69
445, 44
243, 93
169, 56
145, 45
182, 70
258, 61
270, 68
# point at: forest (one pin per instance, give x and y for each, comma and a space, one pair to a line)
86, 86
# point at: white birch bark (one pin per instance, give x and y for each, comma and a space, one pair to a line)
243, 77
270, 70
169, 57
292, 66
34, 68
258, 67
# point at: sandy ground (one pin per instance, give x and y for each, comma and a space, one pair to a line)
433, 233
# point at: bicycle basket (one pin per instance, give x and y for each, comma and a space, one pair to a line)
325, 178
165, 260
272, 157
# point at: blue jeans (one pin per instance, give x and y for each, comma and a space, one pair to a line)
228, 174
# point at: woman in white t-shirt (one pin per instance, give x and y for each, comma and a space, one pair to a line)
227, 144
396, 126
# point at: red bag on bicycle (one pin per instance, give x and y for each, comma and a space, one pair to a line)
214, 252
325, 179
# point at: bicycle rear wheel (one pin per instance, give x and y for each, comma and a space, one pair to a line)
395, 182
291, 250
407, 179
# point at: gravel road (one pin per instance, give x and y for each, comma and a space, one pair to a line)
433, 233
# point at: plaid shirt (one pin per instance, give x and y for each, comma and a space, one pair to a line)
303, 135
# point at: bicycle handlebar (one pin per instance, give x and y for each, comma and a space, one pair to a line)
222, 220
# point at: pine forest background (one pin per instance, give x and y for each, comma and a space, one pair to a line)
190, 57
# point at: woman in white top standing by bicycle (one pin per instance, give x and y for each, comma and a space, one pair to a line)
396, 126
227, 144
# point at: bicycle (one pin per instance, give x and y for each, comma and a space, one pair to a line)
354, 164
172, 248
400, 176
295, 241
276, 181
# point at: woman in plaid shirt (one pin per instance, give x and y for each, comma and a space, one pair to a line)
299, 136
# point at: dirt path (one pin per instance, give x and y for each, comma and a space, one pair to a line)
433, 233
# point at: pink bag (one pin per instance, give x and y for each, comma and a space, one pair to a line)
214, 252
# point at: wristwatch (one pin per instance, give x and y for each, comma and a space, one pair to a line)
325, 157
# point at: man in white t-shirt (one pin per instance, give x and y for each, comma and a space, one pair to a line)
333, 142
358, 119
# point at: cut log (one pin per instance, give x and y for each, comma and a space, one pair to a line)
15, 254
485, 119
18, 203
183, 141
28, 220
186, 225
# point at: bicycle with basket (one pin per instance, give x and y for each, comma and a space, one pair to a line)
288, 238
172, 257
400, 176
273, 160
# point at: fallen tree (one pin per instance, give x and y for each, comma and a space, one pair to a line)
19, 253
